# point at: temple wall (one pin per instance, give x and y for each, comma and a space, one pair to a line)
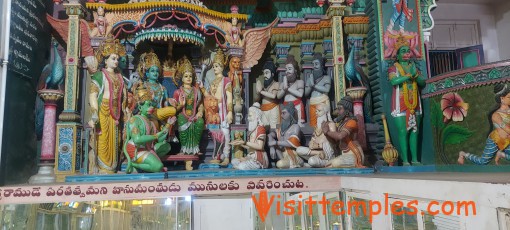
502, 17
487, 24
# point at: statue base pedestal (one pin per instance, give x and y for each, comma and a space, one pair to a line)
213, 166
45, 175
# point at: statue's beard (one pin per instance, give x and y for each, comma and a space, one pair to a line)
267, 82
286, 125
342, 117
291, 77
252, 125
317, 74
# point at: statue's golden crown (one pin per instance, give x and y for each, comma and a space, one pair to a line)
184, 65
142, 94
402, 40
108, 47
148, 60
220, 57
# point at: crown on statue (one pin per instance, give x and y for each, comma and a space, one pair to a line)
402, 40
108, 47
184, 65
147, 60
142, 94
220, 57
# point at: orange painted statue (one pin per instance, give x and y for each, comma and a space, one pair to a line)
346, 135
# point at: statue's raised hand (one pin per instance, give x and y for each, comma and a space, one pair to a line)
162, 135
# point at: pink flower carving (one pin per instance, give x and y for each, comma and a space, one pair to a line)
453, 107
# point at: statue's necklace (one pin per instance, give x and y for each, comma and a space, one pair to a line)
411, 106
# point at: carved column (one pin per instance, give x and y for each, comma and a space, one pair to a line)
282, 51
47, 162
327, 46
307, 58
336, 11
69, 149
356, 28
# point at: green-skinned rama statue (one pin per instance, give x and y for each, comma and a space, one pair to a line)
406, 108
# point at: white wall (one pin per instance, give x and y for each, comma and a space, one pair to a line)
502, 17
484, 14
234, 213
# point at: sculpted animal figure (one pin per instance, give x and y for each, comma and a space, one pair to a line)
211, 111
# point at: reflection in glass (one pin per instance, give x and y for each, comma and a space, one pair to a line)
170, 213
359, 217
405, 221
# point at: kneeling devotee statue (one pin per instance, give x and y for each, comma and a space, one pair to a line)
346, 135
144, 145
257, 157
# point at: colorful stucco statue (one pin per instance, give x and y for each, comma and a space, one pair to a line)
190, 121
401, 13
149, 68
144, 145
102, 26
406, 108
292, 89
284, 141
235, 30
218, 93
498, 142
268, 92
235, 74
107, 101
346, 135
320, 149
257, 157
317, 87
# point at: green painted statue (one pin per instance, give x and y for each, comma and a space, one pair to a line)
144, 145
406, 108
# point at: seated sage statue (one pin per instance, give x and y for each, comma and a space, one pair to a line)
284, 141
144, 145
320, 150
257, 157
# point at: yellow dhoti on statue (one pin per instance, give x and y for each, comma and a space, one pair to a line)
107, 140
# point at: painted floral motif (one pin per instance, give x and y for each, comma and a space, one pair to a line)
453, 107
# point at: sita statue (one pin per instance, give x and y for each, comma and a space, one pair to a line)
190, 119
107, 101
144, 145
498, 142
406, 108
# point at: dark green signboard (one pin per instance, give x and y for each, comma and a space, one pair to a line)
28, 37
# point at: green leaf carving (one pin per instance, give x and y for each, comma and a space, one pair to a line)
437, 115
455, 134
